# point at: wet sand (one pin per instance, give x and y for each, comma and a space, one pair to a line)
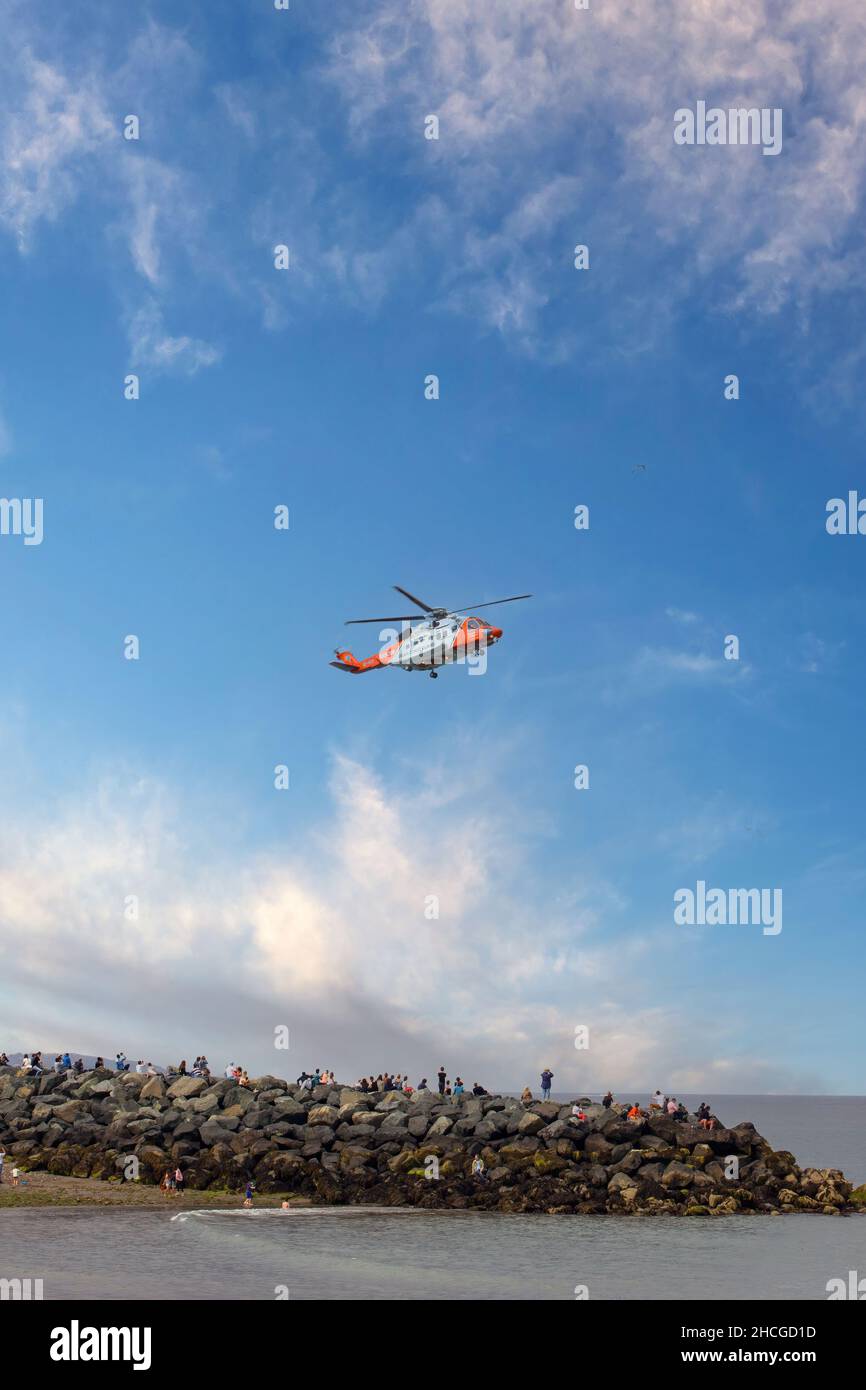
49, 1190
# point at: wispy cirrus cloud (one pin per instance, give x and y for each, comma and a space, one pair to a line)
535, 94
153, 347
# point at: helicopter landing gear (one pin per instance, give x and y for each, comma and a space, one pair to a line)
434, 675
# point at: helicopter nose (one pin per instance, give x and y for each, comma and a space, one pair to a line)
495, 633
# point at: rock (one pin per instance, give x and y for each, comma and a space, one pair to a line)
153, 1089
322, 1115
530, 1123
439, 1126
186, 1087
597, 1147
677, 1175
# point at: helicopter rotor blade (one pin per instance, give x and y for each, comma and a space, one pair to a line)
402, 618
420, 603
492, 604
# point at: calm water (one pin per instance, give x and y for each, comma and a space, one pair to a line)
363, 1253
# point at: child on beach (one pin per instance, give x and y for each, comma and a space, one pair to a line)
248, 1194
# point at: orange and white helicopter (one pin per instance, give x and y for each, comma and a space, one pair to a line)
444, 637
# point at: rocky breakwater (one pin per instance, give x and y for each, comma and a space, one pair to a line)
338, 1145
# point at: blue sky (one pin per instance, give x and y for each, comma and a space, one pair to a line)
261, 908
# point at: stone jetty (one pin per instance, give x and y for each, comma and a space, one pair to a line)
338, 1145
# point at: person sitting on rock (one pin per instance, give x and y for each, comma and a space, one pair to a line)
578, 1114
525, 1096
478, 1090
243, 1079
422, 1084
448, 1089
634, 1113
705, 1116
671, 1107
120, 1062
656, 1101
78, 1067
478, 1170
681, 1112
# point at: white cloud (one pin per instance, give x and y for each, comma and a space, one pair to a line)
51, 128
528, 93
331, 940
151, 346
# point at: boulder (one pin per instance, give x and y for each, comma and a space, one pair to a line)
186, 1087
677, 1175
153, 1089
322, 1115
531, 1123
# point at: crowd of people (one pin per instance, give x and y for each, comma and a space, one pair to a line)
32, 1064
445, 1087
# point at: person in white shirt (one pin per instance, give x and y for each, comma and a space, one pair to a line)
229, 1072
657, 1101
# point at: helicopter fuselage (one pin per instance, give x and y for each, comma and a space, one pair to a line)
427, 645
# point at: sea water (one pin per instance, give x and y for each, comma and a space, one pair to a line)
369, 1253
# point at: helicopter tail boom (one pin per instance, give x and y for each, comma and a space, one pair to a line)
347, 662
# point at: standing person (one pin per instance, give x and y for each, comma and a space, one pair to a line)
546, 1078
178, 1181
2, 1161
248, 1194
459, 1087
607, 1101
441, 1075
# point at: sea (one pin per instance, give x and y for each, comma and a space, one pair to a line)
368, 1253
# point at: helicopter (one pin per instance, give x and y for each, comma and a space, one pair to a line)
444, 636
